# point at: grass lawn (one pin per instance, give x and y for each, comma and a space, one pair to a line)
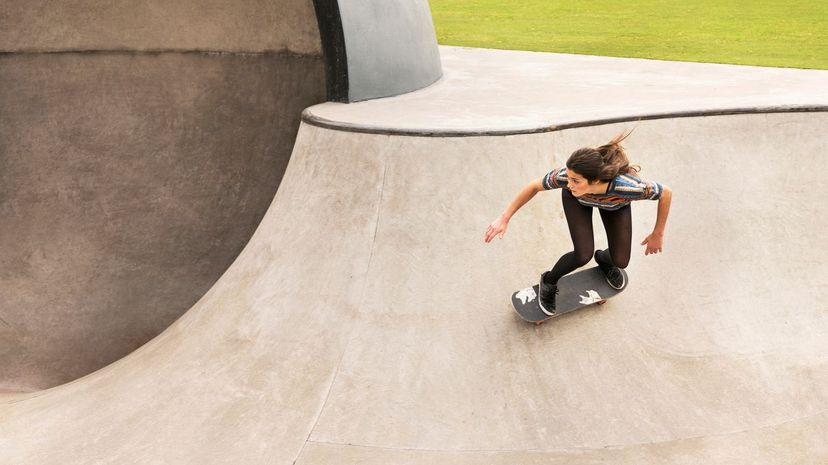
792, 33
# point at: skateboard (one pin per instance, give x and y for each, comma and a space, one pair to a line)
576, 290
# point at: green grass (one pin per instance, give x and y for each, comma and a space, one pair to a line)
781, 33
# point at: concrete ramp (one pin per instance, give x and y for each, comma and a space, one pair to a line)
366, 321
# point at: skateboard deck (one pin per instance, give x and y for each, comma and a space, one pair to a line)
576, 290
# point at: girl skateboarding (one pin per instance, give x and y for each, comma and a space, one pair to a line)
603, 178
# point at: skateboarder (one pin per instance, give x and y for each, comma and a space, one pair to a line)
599, 177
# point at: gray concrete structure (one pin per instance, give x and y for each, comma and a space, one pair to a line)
367, 322
212, 25
140, 145
391, 47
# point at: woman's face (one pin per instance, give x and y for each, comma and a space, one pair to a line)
577, 184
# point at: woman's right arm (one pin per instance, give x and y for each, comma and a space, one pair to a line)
499, 226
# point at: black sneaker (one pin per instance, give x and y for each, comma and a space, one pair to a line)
547, 296
615, 277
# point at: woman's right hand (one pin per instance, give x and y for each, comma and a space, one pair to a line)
497, 228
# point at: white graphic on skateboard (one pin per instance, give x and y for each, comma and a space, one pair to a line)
526, 295
591, 297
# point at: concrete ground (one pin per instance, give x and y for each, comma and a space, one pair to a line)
366, 321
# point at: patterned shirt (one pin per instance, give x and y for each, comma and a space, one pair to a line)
621, 191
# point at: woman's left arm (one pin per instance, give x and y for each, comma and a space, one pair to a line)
655, 240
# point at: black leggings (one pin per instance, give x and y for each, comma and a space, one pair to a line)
617, 223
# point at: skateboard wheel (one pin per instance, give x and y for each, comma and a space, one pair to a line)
602, 302
538, 323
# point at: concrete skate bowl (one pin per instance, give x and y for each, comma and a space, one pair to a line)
367, 322
141, 145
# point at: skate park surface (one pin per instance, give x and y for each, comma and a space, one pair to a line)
366, 321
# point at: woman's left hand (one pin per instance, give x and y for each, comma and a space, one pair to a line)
654, 242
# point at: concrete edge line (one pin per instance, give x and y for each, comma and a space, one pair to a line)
309, 118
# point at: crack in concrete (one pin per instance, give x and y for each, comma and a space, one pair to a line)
582, 449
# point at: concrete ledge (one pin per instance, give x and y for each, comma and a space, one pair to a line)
499, 92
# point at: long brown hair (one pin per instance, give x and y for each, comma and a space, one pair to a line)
602, 163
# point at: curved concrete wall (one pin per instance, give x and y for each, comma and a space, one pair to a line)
389, 45
376, 48
392, 47
129, 181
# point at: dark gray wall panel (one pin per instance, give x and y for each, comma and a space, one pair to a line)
141, 142
128, 184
